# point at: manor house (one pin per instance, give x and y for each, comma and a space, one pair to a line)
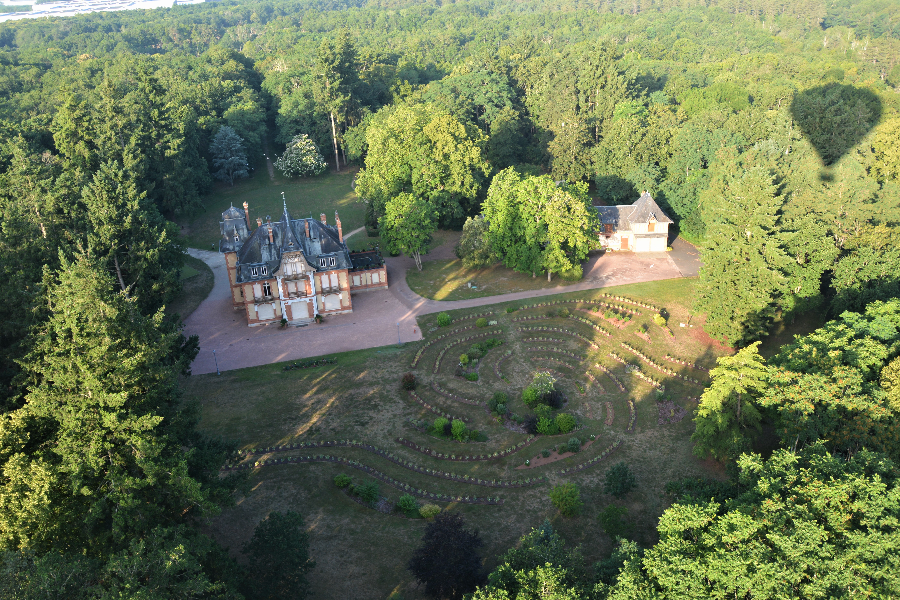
640, 227
293, 269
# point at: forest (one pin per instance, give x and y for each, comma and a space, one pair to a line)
769, 131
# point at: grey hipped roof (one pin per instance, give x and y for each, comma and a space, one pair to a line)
289, 235
623, 216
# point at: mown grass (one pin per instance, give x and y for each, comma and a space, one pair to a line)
326, 193
362, 553
196, 284
448, 280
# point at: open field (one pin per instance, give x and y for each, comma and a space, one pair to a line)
359, 398
326, 193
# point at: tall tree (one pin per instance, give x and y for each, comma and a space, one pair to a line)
742, 278
448, 562
337, 75
228, 155
279, 558
407, 225
728, 407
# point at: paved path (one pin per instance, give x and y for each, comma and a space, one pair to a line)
379, 318
686, 258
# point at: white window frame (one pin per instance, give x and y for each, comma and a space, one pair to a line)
254, 272
265, 270
331, 261
321, 262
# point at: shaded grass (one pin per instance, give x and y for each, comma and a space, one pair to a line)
323, 194
448, 280
359, 398
196, 284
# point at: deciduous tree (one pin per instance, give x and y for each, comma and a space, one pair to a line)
448, 562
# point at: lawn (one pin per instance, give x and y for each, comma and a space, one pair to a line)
312, 196
196, 284
359, 398
448, 280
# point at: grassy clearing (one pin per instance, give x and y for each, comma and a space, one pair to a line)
448, 280
196, 284
323, 194
359, 398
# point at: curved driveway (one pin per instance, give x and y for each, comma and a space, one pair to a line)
379, 318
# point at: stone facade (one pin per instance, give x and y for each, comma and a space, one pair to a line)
293, 269
639, 227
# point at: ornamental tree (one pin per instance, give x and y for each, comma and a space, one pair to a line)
407, 225
229, 155
301, 158
567, 499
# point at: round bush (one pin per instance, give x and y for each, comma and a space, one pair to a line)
546, 427
430, 511
301, 158
501, 409
545, 453
482, 322
440, 424
464, 359
443, 319
510, 309
408, 382
530, 424
564, 312
342, 480
472, 376
458, 429
408, 504
659, 320
565, 422
573, 445
567, 499
530, 396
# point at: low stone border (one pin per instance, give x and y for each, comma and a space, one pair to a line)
593, 461
415, 397
404, 487
685, 363
461, 458
656, 365
437, 339
440, 357
453, 396
636, 371
609, 374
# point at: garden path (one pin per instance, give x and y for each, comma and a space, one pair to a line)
379, 318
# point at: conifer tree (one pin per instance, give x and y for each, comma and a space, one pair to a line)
229, 155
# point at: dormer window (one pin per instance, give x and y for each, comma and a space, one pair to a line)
331, 262
265, 270
254, 272
237, 238
327, 262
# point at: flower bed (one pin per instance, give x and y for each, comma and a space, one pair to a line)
656, 365
593, 461
467, 458
681, 361
404, 487
583, 338
453, 396
440, 357
609, 374
415, 397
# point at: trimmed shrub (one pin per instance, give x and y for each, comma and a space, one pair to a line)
501, 409
498, 398
443, 319
619, 480
440, 424
510, 309
564, 313
567, 499
408, 504
463, 359
342, 480
565, 422
482, 322
573, 445
545, 453
408, 381
472, 376
546, 427
368, 492
659, 320
430, 511
458, 430
530, 396
542, 411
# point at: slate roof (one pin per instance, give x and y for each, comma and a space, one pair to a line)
288, 235
622, 216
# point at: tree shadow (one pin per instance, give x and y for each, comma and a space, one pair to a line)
835, 117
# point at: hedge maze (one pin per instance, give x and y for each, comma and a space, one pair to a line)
482, 422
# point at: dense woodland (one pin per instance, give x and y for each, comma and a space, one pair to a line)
770, 131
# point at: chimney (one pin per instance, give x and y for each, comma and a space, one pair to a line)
247, 215
322, 218
307, 227
259, 221
269, 223
337, 220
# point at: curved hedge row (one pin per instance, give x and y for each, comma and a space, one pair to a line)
461, 458
436, 411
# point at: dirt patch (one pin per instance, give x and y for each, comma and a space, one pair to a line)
539, 460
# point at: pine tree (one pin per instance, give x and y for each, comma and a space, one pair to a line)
229, 156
